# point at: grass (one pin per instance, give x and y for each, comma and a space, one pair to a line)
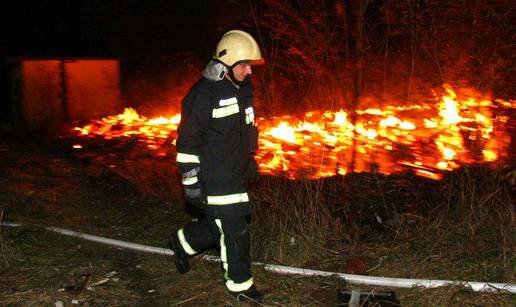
461, 228
458, 228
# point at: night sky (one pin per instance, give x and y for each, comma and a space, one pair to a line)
113, 28
469, 43
144, 34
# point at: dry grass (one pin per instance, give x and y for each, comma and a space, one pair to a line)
452, 296
458, 228
461, 228
292, 225
5, 257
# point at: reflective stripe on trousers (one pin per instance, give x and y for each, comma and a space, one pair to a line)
231, 234
230, 284
186, 246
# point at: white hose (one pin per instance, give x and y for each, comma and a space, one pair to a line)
108, 241
281, 269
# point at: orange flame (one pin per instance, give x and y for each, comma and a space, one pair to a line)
428, 139
153, 132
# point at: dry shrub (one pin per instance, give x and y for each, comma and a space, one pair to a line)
452, 296
306, 56
409, 47
291, 223
462, 229
477, 209
152, 177
5, 257
459, 228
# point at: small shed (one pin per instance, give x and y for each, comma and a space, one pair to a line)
47, 93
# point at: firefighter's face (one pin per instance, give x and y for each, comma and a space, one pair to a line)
241, 71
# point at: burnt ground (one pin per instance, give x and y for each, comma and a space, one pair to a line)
50, 184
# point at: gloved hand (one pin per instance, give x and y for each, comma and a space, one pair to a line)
193, 193
193, 196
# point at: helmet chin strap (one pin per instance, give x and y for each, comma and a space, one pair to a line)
237, 83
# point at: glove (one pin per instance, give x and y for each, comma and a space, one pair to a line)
193, 197
193, 193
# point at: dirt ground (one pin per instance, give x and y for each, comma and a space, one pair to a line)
48, 184
41, 185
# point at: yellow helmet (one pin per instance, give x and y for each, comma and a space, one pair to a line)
236, 46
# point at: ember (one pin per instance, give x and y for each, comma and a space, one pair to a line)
428, 139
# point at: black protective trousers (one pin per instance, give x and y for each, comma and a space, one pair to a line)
231, 236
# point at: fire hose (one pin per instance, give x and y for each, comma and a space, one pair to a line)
281, 269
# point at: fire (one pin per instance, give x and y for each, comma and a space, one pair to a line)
429, 139
153, 132
283, 132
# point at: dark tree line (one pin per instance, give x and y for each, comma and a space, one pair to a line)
341, 54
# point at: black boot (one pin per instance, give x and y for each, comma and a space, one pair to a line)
181, 257
250, 295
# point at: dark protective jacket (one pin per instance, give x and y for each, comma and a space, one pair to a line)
217, 134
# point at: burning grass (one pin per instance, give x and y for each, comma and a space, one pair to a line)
431, 139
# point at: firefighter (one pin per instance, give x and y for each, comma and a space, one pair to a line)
217, 139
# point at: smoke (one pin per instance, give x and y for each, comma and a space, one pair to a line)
155, 86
